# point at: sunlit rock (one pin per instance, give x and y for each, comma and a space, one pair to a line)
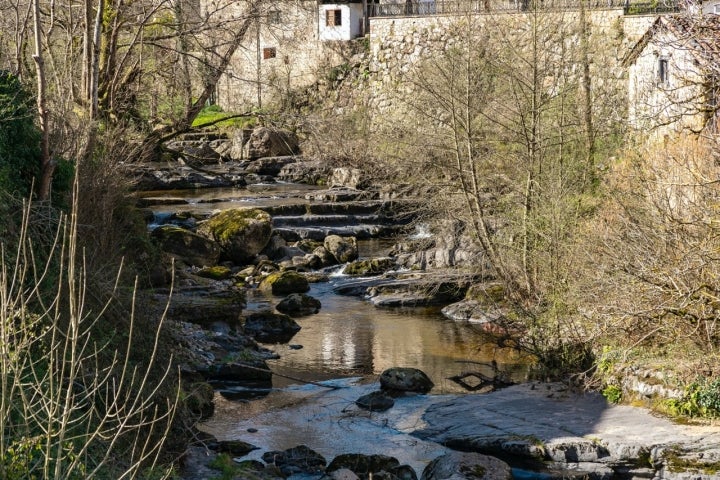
466, 466
405, 380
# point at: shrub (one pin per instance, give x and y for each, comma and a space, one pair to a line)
19, 137
74, 403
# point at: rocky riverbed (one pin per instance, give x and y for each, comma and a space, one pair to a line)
256, 236
541, 430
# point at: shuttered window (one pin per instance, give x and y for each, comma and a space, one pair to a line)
269, 52
333, 18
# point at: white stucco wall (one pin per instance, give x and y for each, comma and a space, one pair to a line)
669, 107
350, 26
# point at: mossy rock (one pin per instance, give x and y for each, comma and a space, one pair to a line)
284, 283
375, 266
186, 246
218, 272
308, 245
242, 233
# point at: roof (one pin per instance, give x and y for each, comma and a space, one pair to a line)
698, 34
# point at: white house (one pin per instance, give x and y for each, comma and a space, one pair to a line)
674, 75
341, 21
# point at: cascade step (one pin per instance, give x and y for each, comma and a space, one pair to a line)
330, 220
319, 233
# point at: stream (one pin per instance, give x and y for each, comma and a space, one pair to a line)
347, 344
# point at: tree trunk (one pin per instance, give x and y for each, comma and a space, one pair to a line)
46, 162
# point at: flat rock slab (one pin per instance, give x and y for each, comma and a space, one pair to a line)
550, 423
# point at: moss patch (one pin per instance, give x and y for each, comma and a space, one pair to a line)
677, 463
284, 283
217, 272
228, 223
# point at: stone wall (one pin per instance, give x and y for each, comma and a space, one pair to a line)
399, 43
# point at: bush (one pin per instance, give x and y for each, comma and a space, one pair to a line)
700, 399
77, 400
19, 137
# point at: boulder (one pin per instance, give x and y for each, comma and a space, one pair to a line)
239, 139
201, 153
343, 474
343, 249
269, 165
326, 258
363, 465
299, 304
284, 283
242, 233
187, 246
217, 272
311, 173
374, 266
296, 460
269, 327
399, 379
348, 178
378, 401
466, 466
204, 306
270, 142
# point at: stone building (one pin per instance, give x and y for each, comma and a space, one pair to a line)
674, 75
289, 44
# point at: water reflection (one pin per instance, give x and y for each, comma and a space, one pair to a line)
351, 337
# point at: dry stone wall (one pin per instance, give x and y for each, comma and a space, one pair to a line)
397, 44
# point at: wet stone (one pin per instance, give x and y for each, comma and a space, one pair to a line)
300, 459
405, 380
363, 465
378, 401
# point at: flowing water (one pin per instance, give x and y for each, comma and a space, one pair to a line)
348, 339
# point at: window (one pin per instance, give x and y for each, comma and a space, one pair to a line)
333, 18
274, 17
663, 71
716, 8
269, 52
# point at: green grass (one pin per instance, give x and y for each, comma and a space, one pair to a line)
213, 113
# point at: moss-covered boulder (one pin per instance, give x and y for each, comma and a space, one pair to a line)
374, 266
186, 246
284, 283
242, 233
216, 272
